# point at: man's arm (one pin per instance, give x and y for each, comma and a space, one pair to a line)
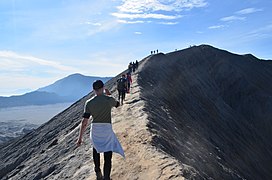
83, 127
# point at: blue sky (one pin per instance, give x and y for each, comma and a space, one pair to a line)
45, 40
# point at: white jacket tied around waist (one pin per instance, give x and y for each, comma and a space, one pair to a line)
104, 139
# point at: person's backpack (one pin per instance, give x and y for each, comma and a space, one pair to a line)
121, 84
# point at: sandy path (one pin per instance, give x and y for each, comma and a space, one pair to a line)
142, 161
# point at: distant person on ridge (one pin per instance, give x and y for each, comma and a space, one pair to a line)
137, 64
133, 67
130, 66
102, 136
122, 88
129, 81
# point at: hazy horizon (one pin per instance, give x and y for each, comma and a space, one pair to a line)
18, 92
34, 114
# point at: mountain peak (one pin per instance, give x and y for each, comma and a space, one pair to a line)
74, 86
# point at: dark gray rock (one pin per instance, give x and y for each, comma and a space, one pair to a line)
212, 110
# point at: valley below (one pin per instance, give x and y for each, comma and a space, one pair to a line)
17, 121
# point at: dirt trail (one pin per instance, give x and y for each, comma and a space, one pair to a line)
142, 161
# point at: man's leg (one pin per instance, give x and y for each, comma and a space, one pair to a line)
119, 95
124, 94
96, 158
122, 97
107, 164
128, 88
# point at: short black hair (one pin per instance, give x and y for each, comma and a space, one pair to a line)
98, 84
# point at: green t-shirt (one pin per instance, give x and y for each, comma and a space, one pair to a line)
100, 108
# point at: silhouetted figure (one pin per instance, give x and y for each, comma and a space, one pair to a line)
122, 88
157, 51
151, 52
137, 64
133, 66
130, 66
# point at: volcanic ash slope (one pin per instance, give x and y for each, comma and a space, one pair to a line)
211, 109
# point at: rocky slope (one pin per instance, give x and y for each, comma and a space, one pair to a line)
11, 130
217, 107
199, 113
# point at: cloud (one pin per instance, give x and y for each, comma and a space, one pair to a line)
9, 58
130, 22
19, 71
239, 13
135, 6
216, 27
61, 21
16, 84
168, 23
259, 33
145, 16
154, 9
248, 11
106, 25
93, 23
232, 18
138, 33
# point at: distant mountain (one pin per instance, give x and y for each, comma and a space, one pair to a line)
32, 98
68, 89
73, 87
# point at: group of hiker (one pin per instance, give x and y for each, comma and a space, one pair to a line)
154, 52
102, 136
123, 83
133, 66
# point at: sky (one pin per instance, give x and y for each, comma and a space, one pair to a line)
42, 41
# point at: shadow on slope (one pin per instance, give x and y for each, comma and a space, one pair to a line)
212, 110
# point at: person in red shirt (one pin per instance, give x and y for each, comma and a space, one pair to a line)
129, 81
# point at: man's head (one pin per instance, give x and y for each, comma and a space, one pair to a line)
98, 86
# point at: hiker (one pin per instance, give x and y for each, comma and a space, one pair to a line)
130, 66
122, 88
133, 67
102, 136
129, 81
137, 64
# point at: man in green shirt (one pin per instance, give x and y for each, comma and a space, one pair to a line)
102, 136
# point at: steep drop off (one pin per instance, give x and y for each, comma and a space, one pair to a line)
212, 110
